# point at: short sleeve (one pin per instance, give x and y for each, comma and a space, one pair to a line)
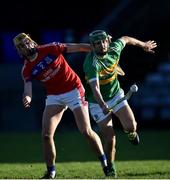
117, 46
90, 69
26, 75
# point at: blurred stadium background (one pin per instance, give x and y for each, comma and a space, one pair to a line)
71, 22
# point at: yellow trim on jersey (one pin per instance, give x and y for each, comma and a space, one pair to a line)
115, 69
105, 81
109, 70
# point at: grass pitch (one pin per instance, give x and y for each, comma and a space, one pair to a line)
21, 156
88, 170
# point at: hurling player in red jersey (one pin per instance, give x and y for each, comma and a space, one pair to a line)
47, 64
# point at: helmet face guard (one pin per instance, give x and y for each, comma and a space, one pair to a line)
19, 40
97, 35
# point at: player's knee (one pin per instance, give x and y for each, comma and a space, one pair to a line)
112, 139
131, 127
47, 137
86, 132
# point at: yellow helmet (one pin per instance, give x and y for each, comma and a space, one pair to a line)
18, 39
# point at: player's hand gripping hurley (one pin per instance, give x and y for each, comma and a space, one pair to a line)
133, 89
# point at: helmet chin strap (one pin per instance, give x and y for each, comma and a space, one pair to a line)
32, 54
32, 51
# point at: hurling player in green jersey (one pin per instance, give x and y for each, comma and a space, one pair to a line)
101, 68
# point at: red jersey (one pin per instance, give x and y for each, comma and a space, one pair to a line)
51, 68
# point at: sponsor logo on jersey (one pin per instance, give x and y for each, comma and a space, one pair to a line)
43, 64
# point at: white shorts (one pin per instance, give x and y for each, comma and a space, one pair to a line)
96, 111
71, 99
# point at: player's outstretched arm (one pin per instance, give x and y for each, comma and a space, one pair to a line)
147, 46
77, 47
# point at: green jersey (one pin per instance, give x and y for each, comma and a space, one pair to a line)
104, 69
